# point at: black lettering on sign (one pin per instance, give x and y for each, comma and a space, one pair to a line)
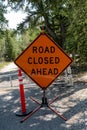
35, 61
55, 71
42, 49
46, 60
34, 50
46, 50
39, 71
43, 60
50, 72
30, 60
57, 60
40, 60
52, 49
51, 60
33, 72
44, 71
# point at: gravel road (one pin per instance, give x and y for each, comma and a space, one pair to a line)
72, 103
8, 68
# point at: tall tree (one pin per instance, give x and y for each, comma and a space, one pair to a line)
3, 21
10, 46
51, 13
65, 21
3, 25
76, 40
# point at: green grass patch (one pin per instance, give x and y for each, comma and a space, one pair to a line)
3, 64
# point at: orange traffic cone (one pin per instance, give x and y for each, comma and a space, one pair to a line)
22, 96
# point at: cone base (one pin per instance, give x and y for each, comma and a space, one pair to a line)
22, 114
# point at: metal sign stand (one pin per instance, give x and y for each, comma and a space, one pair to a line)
44, 103
39, 50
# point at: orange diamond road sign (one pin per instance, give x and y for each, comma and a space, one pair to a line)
43, 60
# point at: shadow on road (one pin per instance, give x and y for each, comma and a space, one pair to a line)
72, 104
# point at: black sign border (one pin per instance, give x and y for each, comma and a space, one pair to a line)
57, 46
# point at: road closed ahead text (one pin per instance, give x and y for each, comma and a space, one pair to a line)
49, 60
43, 60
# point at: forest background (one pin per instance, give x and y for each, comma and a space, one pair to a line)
64, 20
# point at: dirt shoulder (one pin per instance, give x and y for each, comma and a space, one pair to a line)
72, 103
10, 67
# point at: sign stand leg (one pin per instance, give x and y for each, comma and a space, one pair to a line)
44, 103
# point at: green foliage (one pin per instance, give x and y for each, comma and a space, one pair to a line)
2, 48
76, 40
3, 21
12, 44
8, 46
65, 21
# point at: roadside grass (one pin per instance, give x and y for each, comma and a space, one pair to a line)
2, 64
